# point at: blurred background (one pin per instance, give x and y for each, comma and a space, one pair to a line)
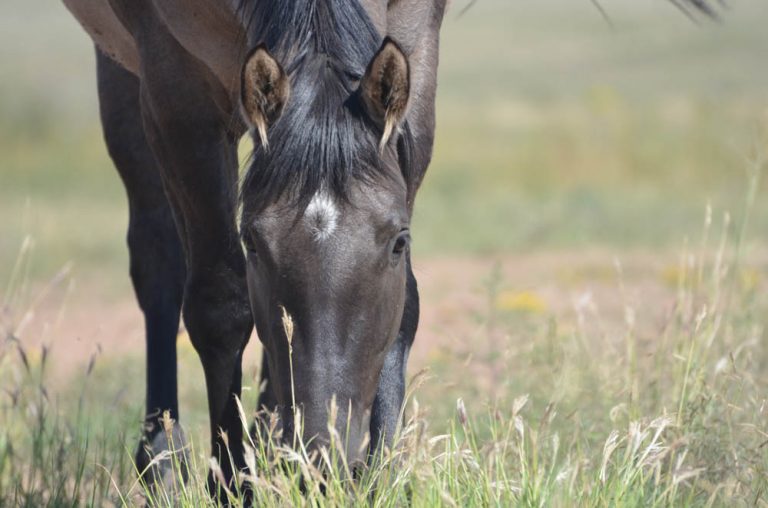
569, 149
556, 131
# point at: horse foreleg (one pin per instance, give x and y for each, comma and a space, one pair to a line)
189, 123
157, 264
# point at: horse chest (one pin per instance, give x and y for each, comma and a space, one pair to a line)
210, 30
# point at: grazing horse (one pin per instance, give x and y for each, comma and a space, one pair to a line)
339, 96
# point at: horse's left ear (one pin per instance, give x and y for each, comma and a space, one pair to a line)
264, 90
385, 88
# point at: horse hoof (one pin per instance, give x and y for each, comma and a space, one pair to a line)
163, 462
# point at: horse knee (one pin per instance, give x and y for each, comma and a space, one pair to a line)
216, 311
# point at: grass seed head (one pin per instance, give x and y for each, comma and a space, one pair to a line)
167, 421
461, 411
287, 325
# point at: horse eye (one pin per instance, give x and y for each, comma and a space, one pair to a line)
401, 242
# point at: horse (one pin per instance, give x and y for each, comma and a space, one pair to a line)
339, 98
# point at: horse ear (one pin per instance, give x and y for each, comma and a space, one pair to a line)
264, 90
385, 88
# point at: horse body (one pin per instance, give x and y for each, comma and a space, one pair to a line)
207, 29
215, 32
350, 123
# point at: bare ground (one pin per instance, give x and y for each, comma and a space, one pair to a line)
77, 319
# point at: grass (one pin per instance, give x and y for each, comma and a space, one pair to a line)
559, 414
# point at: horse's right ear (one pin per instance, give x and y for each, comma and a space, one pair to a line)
264, 90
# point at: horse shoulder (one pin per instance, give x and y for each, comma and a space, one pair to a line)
415, 25
211, 31
100, 22
409, 22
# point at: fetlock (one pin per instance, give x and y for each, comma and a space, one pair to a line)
162, 457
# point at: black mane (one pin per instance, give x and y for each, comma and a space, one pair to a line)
323, 138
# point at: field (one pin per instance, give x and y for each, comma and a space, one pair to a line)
589, 242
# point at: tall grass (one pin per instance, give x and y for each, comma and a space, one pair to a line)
579, 416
